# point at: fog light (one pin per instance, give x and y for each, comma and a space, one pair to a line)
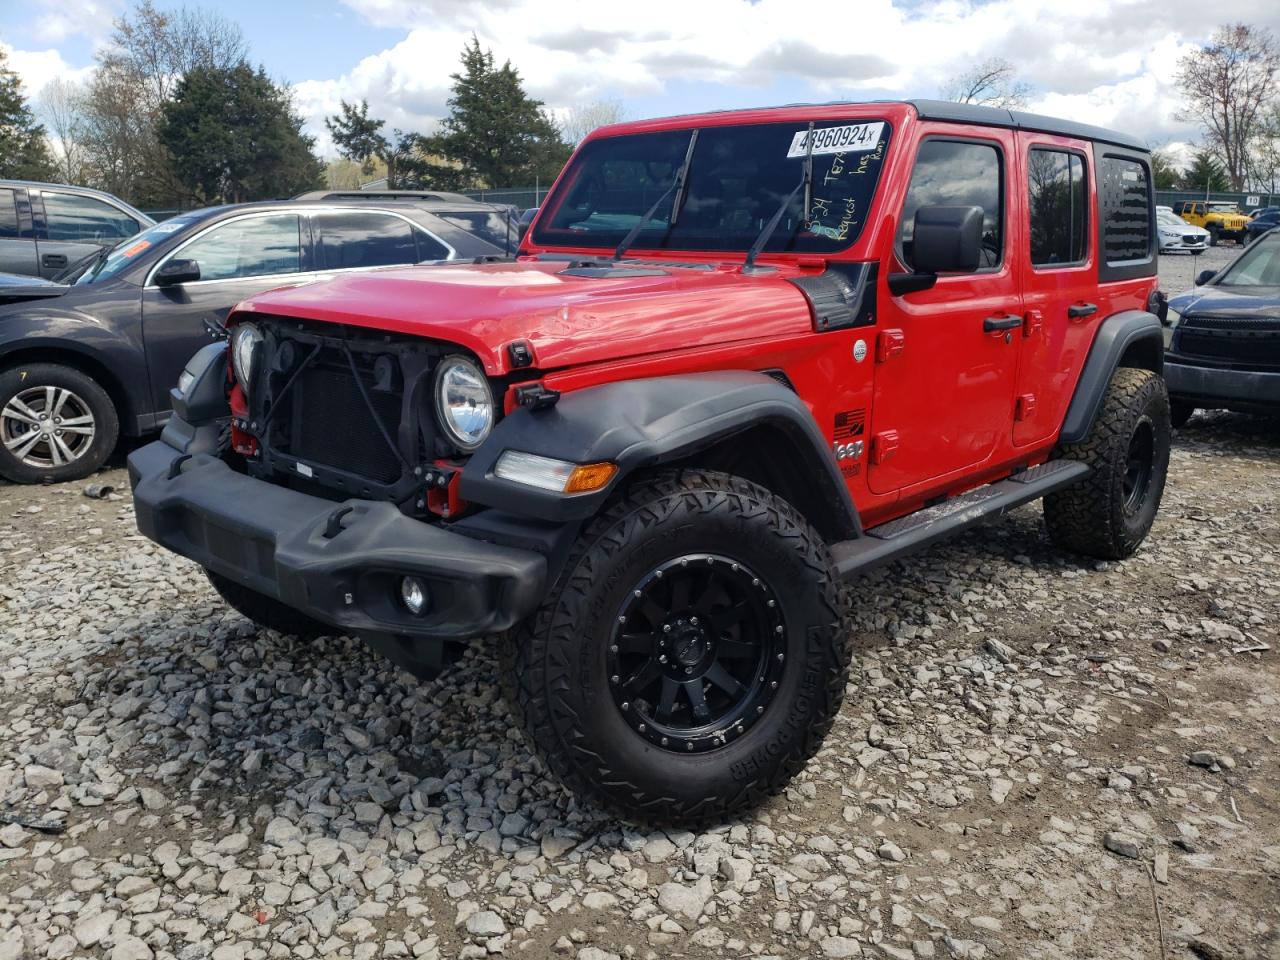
413, 594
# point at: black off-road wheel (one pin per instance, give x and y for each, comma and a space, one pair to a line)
1109, 513
692, 656
1215, 234
56, 424
266, 611
1180, 412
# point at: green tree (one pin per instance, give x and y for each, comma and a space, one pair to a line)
1205, 173
495, 134
1164, 171
234, 136
24, 154
359, 137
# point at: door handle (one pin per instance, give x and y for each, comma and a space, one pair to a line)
992, 324
1078, 311
54, 260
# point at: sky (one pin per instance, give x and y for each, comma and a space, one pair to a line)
1108, 62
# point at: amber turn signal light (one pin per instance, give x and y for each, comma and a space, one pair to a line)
590, 476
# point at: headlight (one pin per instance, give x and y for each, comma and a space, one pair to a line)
246, 345
1170, 322
464, 402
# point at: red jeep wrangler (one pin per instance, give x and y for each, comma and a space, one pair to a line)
741, 358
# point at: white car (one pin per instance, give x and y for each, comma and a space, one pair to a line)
1176, 234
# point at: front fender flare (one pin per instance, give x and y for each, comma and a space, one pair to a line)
1135, 335
646, 422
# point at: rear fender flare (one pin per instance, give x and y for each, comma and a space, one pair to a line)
648, 422
1132, 338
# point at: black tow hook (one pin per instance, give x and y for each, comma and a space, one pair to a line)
333, 526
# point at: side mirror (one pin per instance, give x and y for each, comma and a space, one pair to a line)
1204, 276
526, 218
177, 271
944, 240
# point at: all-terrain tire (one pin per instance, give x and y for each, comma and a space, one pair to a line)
79, 404
1180, 411
267, 611
1109, 513
1215, 234
555, 664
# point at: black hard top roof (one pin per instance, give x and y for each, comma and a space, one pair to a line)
945, 110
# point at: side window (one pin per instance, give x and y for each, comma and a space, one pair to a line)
8, 215
360, 239
1124, 199
253, 247
1058, 203
74, 219
429, 248
957, 173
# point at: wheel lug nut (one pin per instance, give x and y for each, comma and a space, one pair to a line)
694, 621
614, 648
626, 706
666, 628
688, 669
636, 593
663, 658
614, 678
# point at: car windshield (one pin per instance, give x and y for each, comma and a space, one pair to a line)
1224, 208
1170, 219
112, 260
490, 226
1258, 266
737, 178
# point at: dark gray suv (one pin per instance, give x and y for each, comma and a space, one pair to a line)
45, 227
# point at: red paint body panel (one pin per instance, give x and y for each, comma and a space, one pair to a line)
941, 393
568, 320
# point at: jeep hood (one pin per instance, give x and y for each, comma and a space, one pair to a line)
571, 315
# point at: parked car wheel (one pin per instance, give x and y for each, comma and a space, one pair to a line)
267, 612
1214, 234
1110, 512
691, 657
1180, 412
56, 424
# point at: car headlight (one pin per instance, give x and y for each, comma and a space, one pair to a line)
464, 402
246, 346
1171, 320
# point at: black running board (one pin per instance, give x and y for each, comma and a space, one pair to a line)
897, 538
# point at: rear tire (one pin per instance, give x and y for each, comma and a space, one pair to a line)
267, 612
1109, 513
692, 656
56, 424
1214, 235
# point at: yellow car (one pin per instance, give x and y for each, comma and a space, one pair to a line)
1222, 219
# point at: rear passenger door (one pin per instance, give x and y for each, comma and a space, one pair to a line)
1059, 281
17, 242
362, 239
70, 226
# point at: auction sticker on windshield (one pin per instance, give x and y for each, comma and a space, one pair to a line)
854, 137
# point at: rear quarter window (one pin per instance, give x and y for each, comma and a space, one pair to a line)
1125, 213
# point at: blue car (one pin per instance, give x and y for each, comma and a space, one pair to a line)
1222, 337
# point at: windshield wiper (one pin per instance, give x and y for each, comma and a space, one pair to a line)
677, 188
805, 184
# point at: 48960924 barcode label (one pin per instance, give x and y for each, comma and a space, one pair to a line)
850, 138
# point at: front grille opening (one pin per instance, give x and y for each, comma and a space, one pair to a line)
334, 427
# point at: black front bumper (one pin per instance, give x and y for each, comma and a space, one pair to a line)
345, 572
1221, 387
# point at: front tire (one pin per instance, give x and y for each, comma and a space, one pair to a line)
267, 612
1109, 513
691, 657
1215, 235
56, 424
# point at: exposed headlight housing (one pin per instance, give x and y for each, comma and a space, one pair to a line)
246, 347
464, 402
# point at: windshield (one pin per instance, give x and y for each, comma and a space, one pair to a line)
1258, 266
1224, 208
1170, 219
112, 260
737, 178
490, 226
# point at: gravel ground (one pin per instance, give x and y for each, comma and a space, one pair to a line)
1038, 757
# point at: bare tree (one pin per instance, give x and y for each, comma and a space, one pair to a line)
1228, 84
992, 83
61, 105
582, 118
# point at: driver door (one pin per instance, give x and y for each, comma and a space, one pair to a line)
238, 258
947, 357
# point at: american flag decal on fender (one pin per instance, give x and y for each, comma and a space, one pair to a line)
849, 424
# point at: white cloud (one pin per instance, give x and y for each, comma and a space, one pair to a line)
1101, 61
36, 68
